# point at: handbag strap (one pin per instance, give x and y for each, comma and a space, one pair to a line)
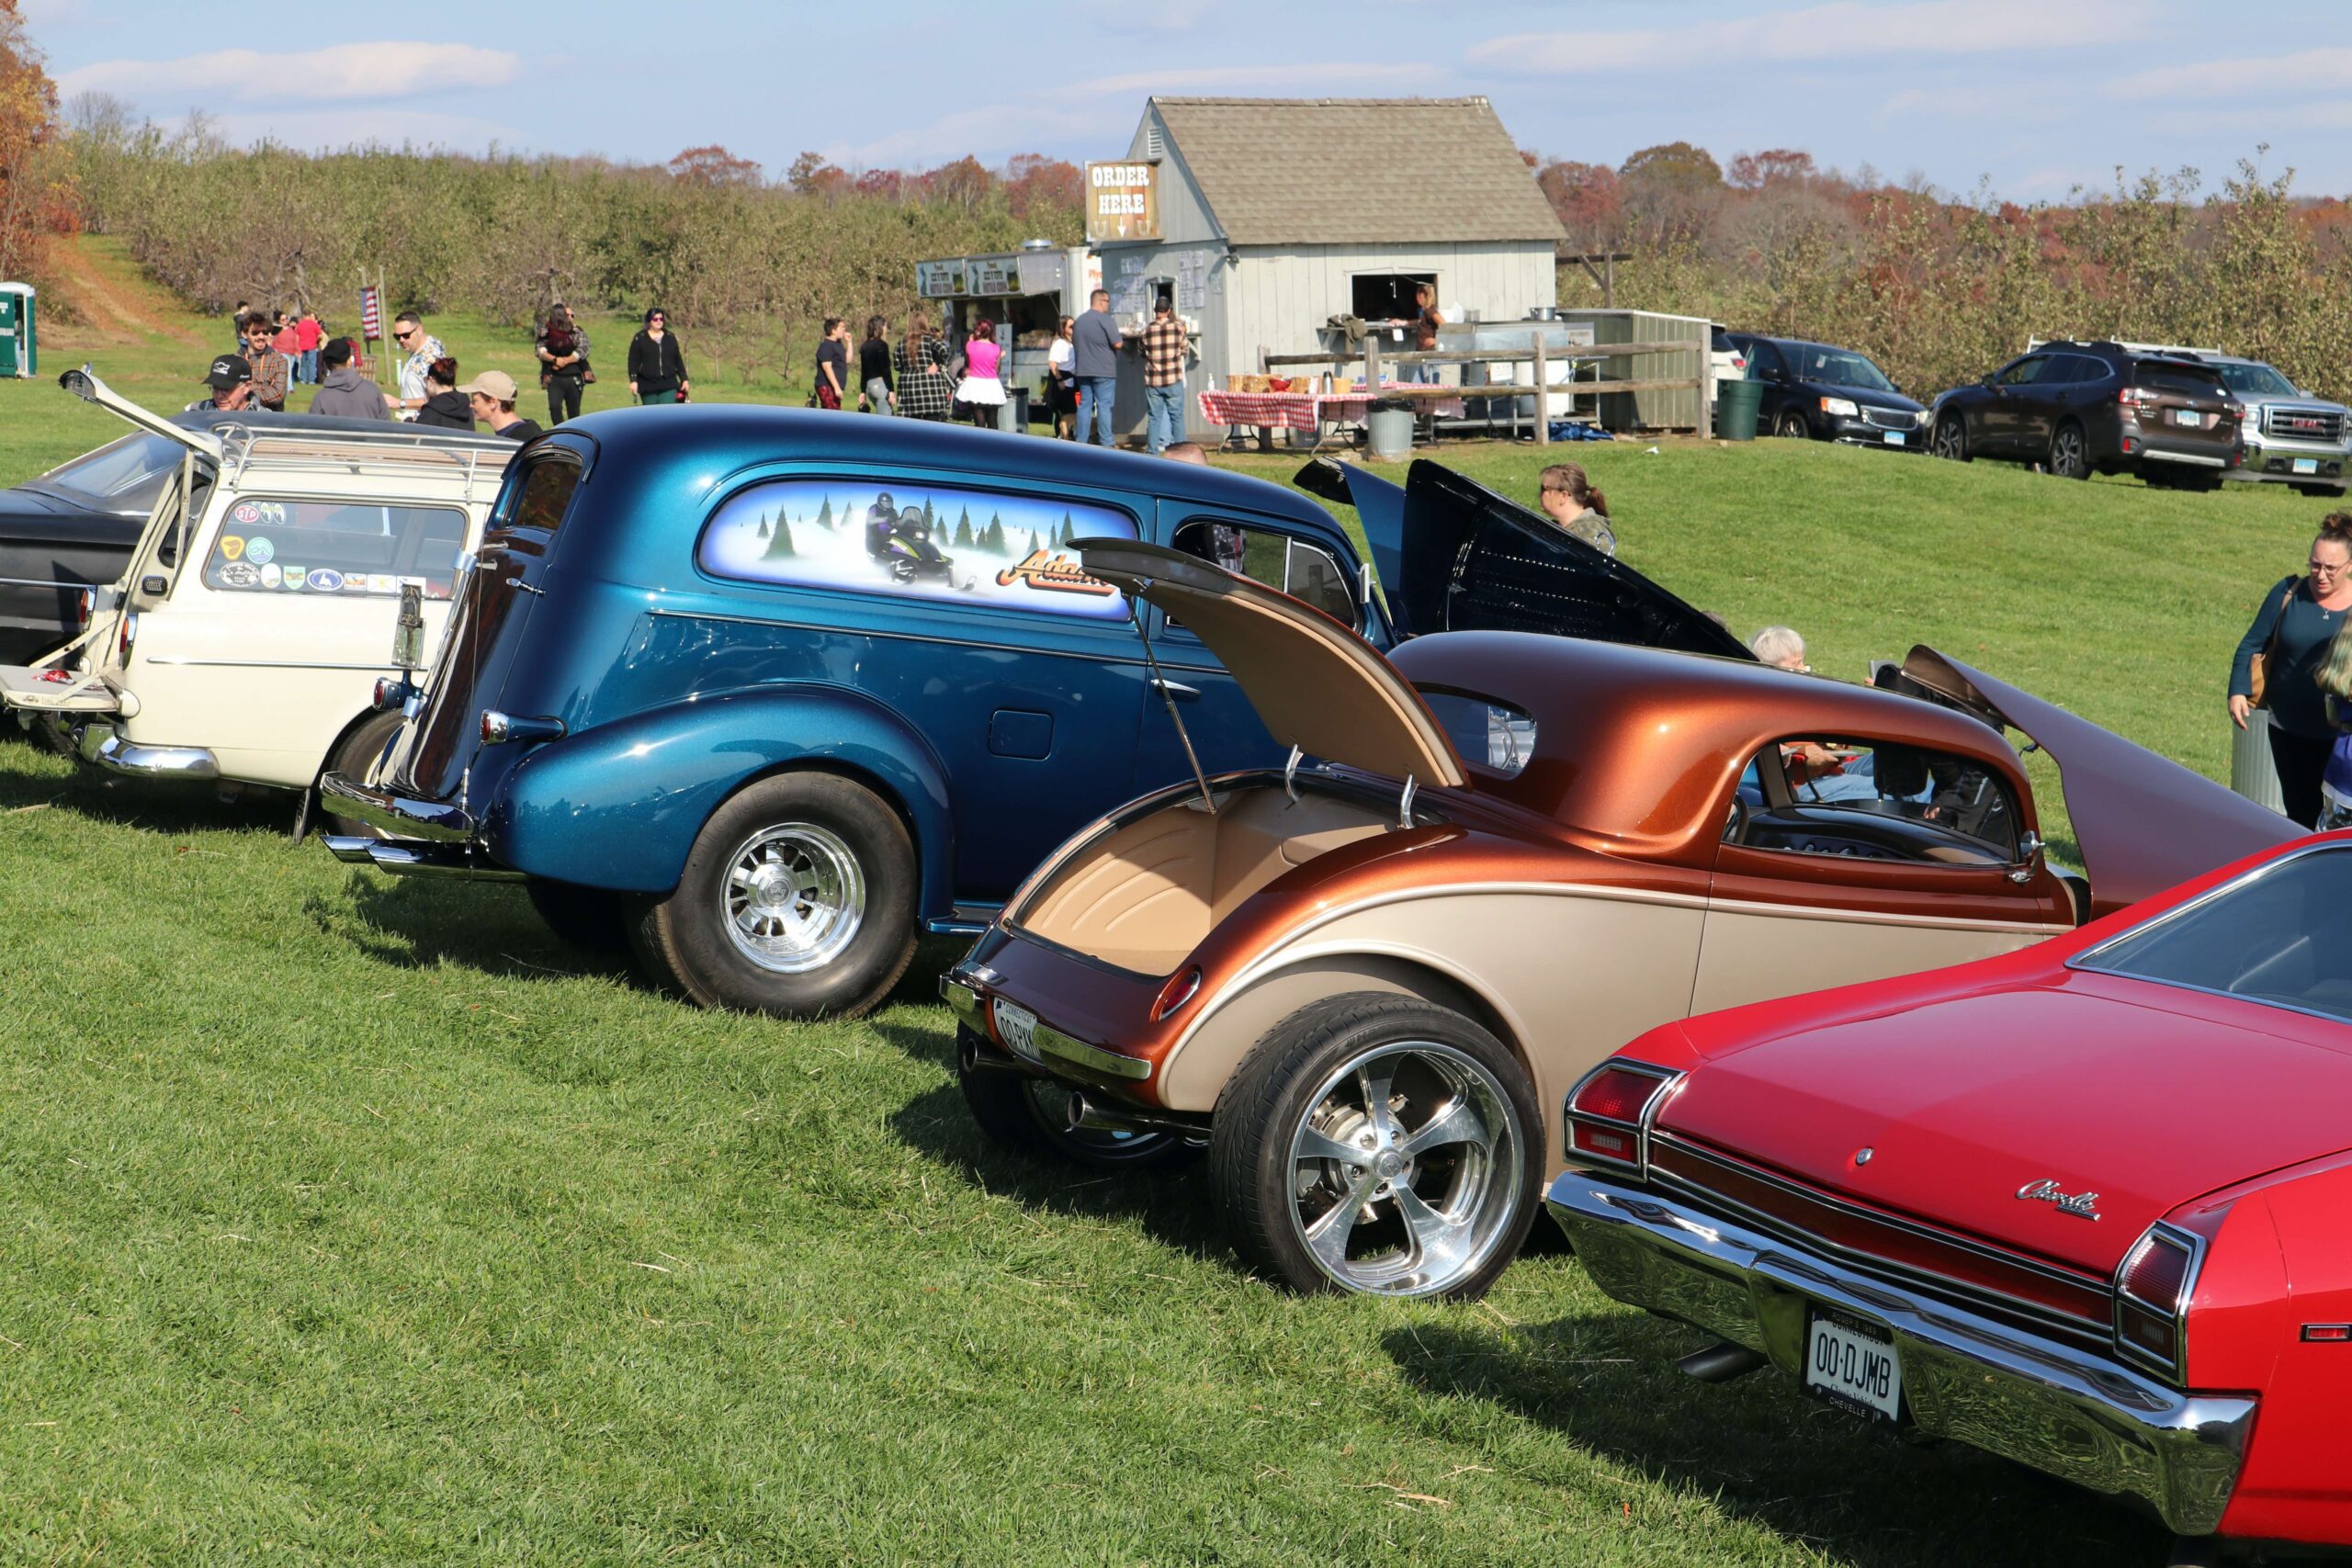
2279, 623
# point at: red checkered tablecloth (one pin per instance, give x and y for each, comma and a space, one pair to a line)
1299, 411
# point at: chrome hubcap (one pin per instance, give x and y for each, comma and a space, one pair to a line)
796, 897
1405, 1171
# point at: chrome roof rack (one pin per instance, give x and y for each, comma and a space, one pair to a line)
397, 450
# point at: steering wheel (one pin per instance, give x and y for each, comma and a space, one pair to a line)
1736, 828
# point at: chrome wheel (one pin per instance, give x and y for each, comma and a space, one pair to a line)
1951, 440
1405, 1170
795, 898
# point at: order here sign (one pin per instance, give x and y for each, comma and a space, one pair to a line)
1122, 201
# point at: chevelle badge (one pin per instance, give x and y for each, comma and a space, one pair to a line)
2082, 1205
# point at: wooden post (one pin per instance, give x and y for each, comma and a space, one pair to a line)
1372, 361
1609, 282
1543, 394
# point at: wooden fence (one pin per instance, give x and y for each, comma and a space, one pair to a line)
1536, 353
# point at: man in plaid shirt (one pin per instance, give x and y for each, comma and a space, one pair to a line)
1164, 347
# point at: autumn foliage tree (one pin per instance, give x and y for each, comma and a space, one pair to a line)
713, 167
36, 199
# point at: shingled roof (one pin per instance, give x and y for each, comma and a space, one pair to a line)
1357, 171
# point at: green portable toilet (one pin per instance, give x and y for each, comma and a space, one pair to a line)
17, 346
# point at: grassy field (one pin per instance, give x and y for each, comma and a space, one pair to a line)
351, 1218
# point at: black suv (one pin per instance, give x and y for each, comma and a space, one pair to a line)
2076, 408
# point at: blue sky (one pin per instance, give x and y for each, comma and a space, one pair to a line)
2037, 95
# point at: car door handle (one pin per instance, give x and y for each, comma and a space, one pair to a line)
1175, 690
518, 583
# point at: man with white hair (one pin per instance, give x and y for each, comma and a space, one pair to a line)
1781, 647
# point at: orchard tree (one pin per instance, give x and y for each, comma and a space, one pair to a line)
713, 168
1778, 165
1678, 165
34, 202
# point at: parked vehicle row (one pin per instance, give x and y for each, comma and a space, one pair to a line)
2178, 418
1345, 875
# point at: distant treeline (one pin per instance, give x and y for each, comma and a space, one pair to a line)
728, 254
1940, 289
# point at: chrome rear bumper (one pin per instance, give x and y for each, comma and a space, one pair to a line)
103, 744
393, 814
2068, 1412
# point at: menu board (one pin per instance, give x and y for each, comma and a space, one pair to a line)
1122, 201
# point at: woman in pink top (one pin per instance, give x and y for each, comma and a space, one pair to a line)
980, 389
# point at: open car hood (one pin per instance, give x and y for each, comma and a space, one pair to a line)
1315, 684
2144, 822
1454, 556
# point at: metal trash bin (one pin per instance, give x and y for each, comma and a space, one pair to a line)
1014, 413
1388, 429
2253, 771
1737, 406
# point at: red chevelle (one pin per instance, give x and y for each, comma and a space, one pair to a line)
2084, 1205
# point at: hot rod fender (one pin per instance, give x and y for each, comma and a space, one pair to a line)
619, 806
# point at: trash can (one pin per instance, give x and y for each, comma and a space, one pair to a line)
1737, 404
1388, 428
2253, 772
1013, 415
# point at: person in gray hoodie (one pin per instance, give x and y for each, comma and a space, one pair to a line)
344, 393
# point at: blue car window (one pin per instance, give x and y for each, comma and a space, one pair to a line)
920, 541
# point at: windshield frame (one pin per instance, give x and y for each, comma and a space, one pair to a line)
2086, 962
109, 500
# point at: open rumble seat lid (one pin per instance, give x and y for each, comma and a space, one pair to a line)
1315, 684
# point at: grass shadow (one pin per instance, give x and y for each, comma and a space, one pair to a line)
162, 806
422, 922
1762, 1451
1172, 1204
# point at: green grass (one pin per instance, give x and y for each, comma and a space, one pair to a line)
352, 1218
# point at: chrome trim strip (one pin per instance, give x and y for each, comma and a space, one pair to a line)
396, 814
964, 1001
1865, 917
1052, 1042
2159, 1235
183, 660
2092, 1330
37, 582
2080, 1416
103, 745
433, 860
2191, 459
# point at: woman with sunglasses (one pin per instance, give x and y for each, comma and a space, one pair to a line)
2298, 620
657, 365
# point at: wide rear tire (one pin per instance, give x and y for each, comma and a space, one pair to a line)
1378, 1144
797, 900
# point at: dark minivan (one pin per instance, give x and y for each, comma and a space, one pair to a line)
1826, 393
2076, 408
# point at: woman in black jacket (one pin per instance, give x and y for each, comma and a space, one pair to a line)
445, 406
657, 366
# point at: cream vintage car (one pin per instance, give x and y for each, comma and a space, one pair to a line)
243, 641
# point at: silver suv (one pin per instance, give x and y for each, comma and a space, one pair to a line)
2290, 437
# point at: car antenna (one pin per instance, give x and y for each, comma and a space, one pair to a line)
1151, 661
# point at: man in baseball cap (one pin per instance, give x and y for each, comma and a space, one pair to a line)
492, 395
232, 380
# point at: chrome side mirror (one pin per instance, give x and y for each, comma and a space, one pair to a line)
2030, 850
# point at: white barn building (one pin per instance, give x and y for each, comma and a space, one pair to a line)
1276, 215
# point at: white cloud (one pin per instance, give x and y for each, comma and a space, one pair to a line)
2014, 103
2310, 70
345, 73
1842, 29
332, 130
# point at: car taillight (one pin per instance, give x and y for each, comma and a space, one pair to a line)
2152, 1293
1610, 1108
1176, 993
84, 602
2133, 396
128, 630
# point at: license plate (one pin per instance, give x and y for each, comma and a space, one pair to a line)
2307, 465
2189, 417
1017, 1026
1895, 438
1854, 1363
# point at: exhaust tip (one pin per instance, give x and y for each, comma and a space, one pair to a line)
1720, 1363
349, 848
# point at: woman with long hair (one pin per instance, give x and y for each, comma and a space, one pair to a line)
873, 379
1570, 499
2292, 634
1061, 380
921, 364
982, 390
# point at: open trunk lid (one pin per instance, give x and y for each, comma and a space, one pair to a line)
1967, 1104
2144, 822
1315, 684
1455, 556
